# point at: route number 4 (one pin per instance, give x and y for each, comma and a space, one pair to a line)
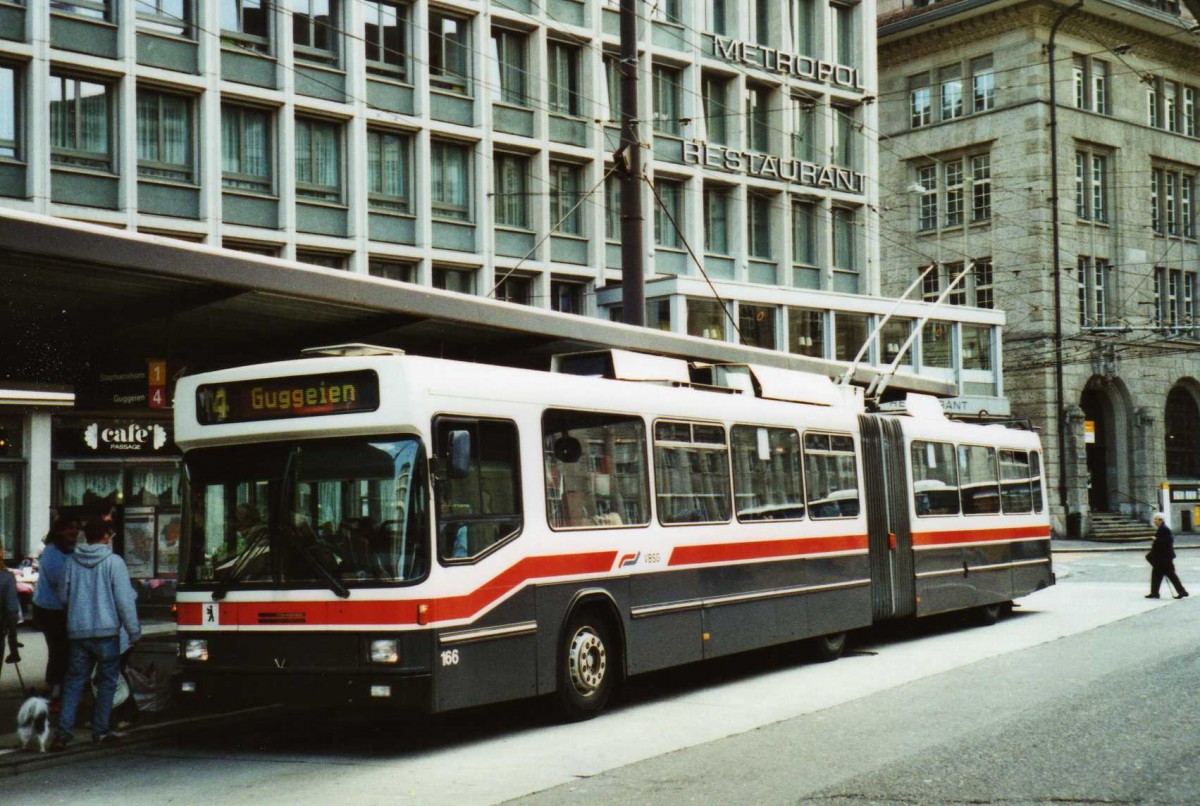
450, 657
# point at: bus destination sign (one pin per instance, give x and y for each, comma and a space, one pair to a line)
287, 398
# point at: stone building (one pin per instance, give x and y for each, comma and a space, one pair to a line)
982, 105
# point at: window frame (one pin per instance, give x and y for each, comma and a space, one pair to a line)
600, 520
657, 463
308, 188
244, 182
442, 54
397, 67
72, 156
440, 208
16, 143
314, 28
159, 170
378, 199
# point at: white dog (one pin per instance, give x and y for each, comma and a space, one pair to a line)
33, 723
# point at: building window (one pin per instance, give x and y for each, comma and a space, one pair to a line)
1175, 300
612, 208
450, 166
893, 335
948, 85
1091, 181
804, 128
328, 260
666, 11
715, 94
804, 233
981, 187
1171, 106
668, 213
806, 332
845, 239
172, 17
977, 347
514, 288
1092, 277
392, 270
931, 285
164, 135
245, 23
612, 88
952, 188
983, 84
716, 219
936, 345
984, 297
385, 34
1090, 83
388, 169
717, 18
566, 296
849, 335
510, 174
562, 62
845, 33
758, 225
318, 159
91, 9
246, 158
508, 65
1182, 433
315, 29
803, 16
946, 204
845, 130
1171, 194
10, 106
80, 123
450, 52
950, 80
565, 196
756, 325
758, 118
667, 82
459, 280
706, 319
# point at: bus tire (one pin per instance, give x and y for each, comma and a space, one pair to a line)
588, 665
989, 614
828, 647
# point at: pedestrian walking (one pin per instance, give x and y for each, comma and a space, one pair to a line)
10, 611
100, 603
1161, 557
49, 611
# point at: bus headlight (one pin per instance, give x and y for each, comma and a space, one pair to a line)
385, 650
195, 649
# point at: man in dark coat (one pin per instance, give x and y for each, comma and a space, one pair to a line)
1162, 559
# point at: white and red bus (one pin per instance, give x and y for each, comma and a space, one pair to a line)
435, 534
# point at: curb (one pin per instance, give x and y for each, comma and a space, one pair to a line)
15, 761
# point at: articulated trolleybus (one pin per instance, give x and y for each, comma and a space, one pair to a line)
384, 528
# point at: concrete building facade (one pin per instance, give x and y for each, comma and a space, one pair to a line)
1104, 361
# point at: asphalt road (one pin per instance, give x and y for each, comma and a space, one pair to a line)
1087, 695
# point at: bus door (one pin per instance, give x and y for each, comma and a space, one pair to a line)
889, 532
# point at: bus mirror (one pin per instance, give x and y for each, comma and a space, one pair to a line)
460, 454
567, 450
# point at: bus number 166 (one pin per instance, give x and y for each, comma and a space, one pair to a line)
450, 657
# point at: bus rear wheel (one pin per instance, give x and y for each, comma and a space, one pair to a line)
828, 647
989, 614
587, 666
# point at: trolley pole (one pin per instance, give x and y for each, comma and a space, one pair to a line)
629, 165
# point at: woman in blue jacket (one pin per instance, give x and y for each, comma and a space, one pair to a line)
49, 611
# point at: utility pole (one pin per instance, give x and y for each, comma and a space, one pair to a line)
629, 165
1060, 395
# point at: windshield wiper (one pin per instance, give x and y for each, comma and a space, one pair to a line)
335, 584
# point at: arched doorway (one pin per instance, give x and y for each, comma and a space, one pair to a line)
1182, 434
1104, 413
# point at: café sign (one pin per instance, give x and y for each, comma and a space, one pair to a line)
769, 166
793, 65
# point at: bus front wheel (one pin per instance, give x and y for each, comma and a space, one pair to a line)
587, 666
828, 647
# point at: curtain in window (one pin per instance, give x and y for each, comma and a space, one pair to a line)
93, 118
511, 191
326, 166
386, 155
62, 113
153, 485
177, 130
147, 127
8, 508
82, 486
450, 178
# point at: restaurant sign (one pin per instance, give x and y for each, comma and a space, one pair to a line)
768, 166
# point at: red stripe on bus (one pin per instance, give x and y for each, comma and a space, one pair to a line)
351, 611
979, 535
763, 549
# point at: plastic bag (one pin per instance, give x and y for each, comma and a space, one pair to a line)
151, 690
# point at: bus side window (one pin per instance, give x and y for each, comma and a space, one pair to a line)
691, 472
478, 505
766, 473
595, 470
1015, 493
935, 478
980, 482
1035, 475
831, 476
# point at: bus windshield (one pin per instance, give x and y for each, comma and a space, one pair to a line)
313, 513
